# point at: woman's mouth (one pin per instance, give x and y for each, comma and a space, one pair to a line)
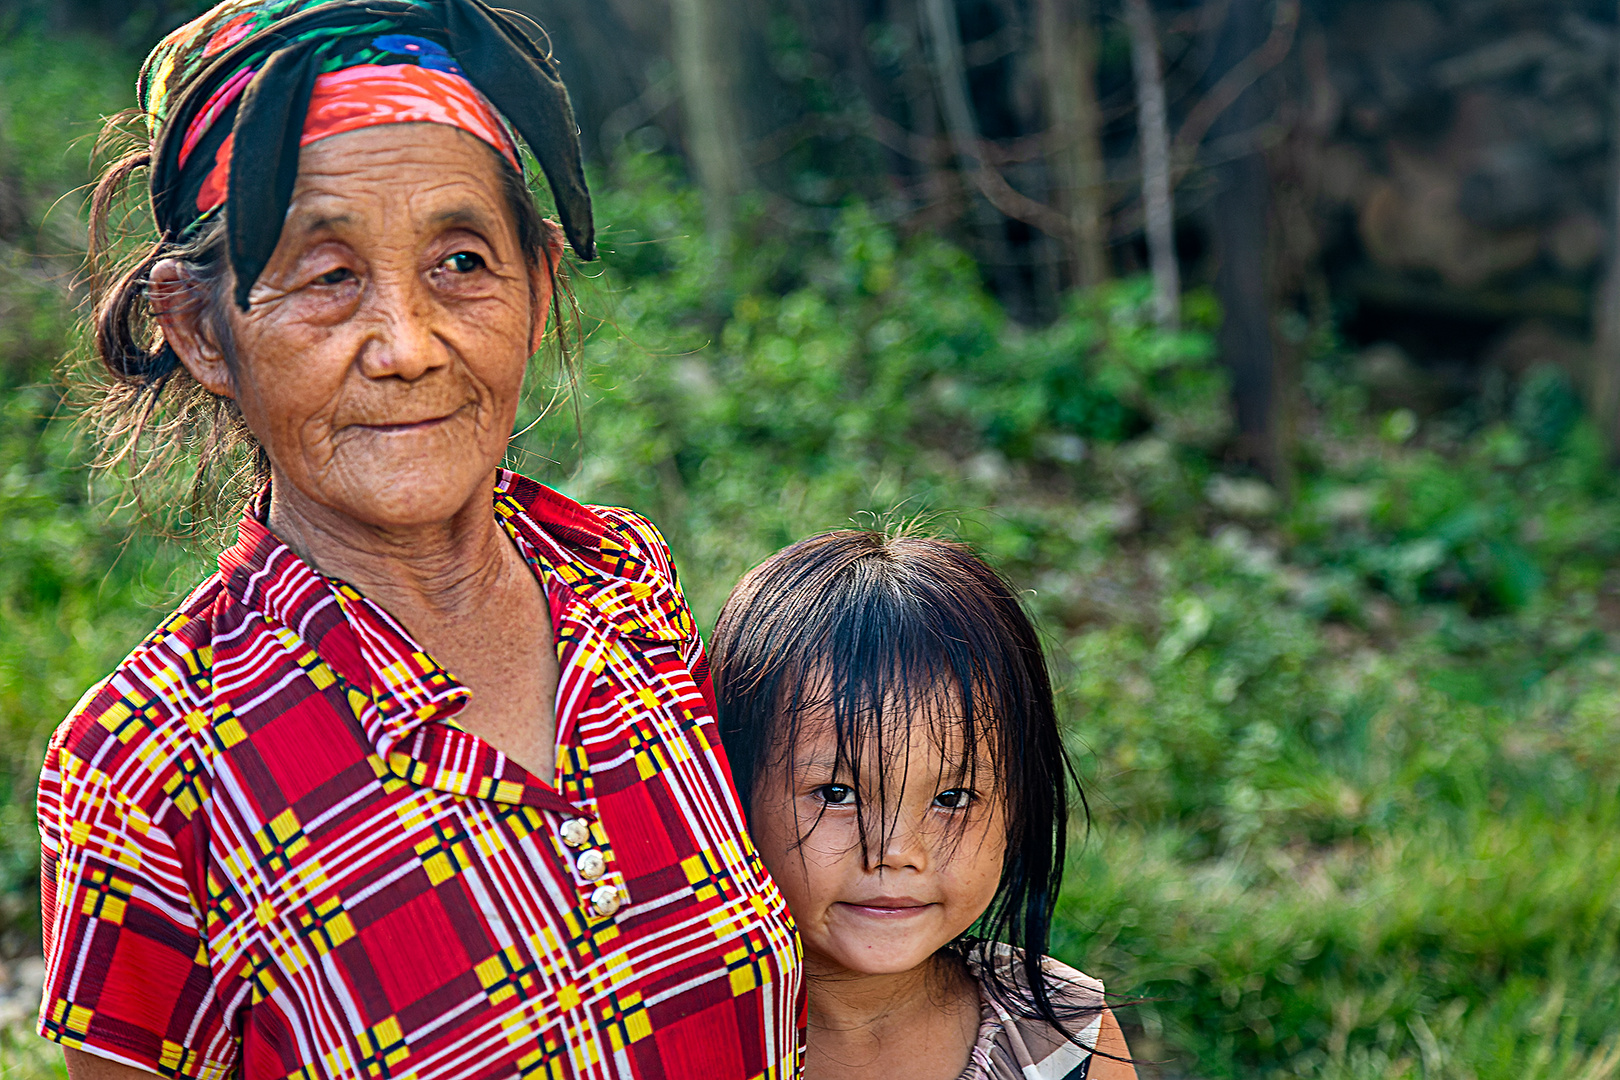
407, 426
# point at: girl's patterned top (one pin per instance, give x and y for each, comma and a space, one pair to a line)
1014, 1047
269, 851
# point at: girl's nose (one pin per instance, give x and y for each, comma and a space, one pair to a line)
899, 845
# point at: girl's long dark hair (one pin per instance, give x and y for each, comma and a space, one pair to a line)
884, 631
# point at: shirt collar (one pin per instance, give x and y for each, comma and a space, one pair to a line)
393, 684
599, 556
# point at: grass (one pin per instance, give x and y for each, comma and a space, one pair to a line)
1353, 762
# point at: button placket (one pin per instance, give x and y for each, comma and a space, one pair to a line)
583, 844
575, 832
591, 864
605, 900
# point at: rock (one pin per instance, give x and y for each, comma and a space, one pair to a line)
29, 973
1412, 221
1067, 448
1513, 185
1576, 241
1241, 497
1391, 43
1345, 175
1571, 127
1384, 366
1475, 150
1535, 344
1347, 505
23, 984
988, 468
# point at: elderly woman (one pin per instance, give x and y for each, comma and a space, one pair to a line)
424, 781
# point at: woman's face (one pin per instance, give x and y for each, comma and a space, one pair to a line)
381, 363
933, 856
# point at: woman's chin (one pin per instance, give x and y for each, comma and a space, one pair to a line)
409, 493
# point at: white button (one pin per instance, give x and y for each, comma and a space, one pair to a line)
605, 900
576, 832
591, 865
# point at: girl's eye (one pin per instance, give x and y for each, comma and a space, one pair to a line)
463, 262
836, 794
955, 799
335, 277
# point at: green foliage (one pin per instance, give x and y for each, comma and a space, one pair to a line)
76, 591
823, 379
1352, 761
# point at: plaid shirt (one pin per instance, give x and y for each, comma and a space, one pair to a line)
269, 852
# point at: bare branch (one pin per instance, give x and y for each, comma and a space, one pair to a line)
1244, 74
952, 77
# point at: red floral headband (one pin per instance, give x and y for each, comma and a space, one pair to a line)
234, 95
361, 97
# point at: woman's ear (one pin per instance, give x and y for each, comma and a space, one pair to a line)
179, 304
543, 283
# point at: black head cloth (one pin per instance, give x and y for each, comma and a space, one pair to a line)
507, 66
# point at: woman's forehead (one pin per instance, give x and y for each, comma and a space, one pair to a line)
429, 170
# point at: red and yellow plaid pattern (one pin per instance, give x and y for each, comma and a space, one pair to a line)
269, 851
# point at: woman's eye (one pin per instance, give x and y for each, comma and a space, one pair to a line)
463, 262
955, 799
335, 277
836, 794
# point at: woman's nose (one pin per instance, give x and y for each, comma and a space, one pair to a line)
403, 342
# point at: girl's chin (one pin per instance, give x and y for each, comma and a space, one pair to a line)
871, 957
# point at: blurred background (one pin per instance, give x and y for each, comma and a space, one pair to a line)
1272, 346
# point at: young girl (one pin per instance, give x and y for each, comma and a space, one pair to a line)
889, 720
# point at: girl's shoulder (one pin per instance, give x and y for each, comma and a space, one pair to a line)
1013, 1045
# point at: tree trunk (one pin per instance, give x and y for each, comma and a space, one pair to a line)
1153, 138
1240, 224
1069, 72
1604, 391
707, 41
944, 34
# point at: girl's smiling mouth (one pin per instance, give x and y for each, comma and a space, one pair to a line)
886, 907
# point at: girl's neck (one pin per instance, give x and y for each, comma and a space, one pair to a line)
913, 1025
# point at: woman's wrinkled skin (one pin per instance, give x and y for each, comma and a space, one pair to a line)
380, 366
381, 360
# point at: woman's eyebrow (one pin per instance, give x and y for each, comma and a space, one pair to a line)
326, 221
467, 216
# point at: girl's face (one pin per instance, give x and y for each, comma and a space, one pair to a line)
933, 853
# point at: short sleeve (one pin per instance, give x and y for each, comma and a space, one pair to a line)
126, 967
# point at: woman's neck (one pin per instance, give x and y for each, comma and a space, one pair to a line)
913, 1025
445, 567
